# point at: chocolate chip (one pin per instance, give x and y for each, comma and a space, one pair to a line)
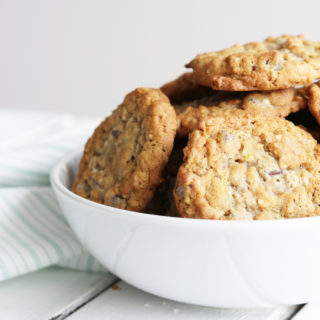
115, 133
131, 159
275, 172
228, 213
117, 199
98, 184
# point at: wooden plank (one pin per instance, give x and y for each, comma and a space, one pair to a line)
128, 303
310, 311
52, 293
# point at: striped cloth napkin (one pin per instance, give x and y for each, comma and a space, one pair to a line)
33, 232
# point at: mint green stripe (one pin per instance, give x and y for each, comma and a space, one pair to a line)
3, 268
49, 206
78, 262
14, 262
13, 235
71, 262
90, 262
28, 163
53, 244
31, 237
34, 194
34, 158
18, 179
24, 171
32, 229
47, 197
65, 263
60, 236
75, 262
20, 183
13, 248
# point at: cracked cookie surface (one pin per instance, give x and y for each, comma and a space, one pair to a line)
250, 167
278, 103
123, 160
275, 63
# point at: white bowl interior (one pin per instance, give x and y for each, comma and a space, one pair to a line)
69, 171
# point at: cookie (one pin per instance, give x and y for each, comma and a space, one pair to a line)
306, 121
123, 160
278, 103
314, 131
249, 167
184, 88
163, 202
276, 63
314, 101
184, 92
212, 100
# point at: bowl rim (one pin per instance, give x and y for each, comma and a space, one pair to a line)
59, 186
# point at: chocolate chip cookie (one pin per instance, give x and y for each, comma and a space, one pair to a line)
305, 120
275, 63
279, 103
249, 167
123, 160
314, 101
184, 92
185, 88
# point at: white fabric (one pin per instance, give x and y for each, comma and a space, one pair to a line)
33, 232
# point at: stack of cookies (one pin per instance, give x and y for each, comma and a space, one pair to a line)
214, 143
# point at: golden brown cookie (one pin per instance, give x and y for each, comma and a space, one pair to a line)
275, 63
184, 88
278, 103
123, 160
249, 167
184, 92
163, 202
314, 101
314, 131
305, 120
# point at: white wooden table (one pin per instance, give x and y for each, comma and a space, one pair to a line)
56, 293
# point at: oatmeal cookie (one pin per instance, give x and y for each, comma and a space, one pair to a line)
314, 101
184, 88
184, 92
278, 103
123, 160
249, 167
305, 120
276, 63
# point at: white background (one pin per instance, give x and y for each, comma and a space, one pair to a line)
84, 56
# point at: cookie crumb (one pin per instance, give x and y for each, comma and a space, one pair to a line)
115, 287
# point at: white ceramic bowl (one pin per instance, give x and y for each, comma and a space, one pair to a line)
212, 263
